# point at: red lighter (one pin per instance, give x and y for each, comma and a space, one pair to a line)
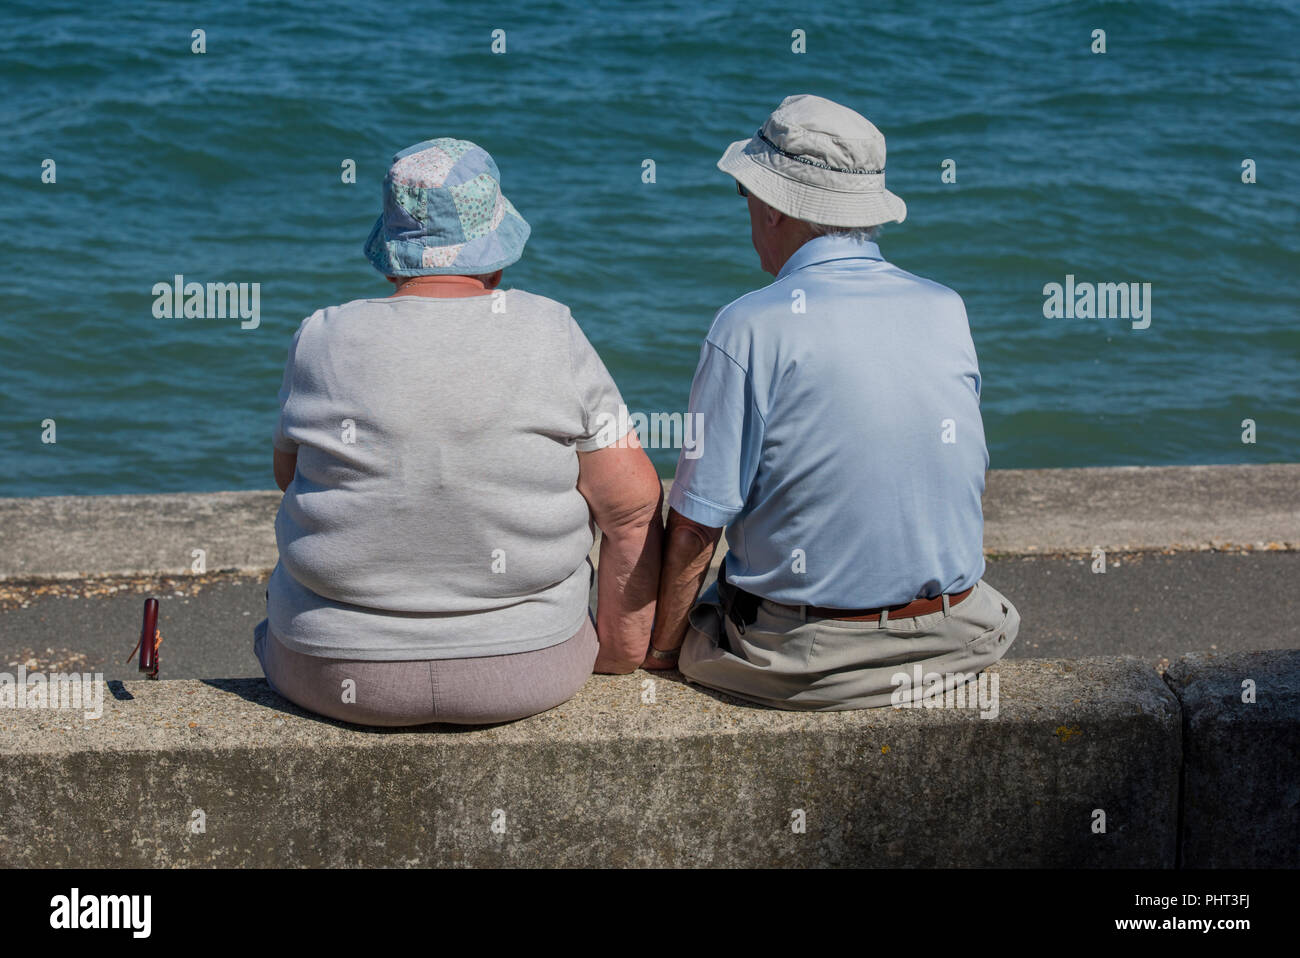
150, 639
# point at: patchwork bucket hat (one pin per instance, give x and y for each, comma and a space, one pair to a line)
444, 213
816, 160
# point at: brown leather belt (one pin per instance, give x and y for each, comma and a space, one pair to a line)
907, 610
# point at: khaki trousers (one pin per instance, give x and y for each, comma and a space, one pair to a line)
787, 660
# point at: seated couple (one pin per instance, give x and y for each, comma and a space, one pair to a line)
444, 452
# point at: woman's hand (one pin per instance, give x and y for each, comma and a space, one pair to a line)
283, 466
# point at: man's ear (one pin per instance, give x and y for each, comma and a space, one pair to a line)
773, 217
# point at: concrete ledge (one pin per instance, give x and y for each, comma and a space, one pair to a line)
1241, 785
1026, 511
605, 780
74, 536
1137, 508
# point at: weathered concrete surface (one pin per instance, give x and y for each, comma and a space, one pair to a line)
71, 536
605, 780
1241, 784
1026, 511
1136, 508
1148, 605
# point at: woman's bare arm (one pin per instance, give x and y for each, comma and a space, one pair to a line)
624, 493
284, 465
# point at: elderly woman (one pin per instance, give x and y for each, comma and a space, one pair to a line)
443, 451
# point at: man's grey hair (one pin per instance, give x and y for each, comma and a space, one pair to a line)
860, 234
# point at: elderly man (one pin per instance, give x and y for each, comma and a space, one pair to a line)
845, 452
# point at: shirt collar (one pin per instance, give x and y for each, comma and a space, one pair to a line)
823, 249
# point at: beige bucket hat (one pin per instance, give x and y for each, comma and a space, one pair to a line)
816, 160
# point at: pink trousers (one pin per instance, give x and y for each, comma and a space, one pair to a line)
476, 691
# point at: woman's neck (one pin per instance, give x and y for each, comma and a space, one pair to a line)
440, 287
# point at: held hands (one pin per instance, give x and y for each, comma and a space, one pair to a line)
652, 664
657, 660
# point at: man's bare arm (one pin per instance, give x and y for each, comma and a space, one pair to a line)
688, 550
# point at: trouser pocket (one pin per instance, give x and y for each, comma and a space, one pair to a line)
1001, 622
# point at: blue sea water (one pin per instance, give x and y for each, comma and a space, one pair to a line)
225, 167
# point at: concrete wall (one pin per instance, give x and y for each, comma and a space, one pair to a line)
1183, 770
605, 780
1026, 511
1241, 735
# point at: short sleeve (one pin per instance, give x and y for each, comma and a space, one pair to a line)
974, 373
604, 417
715, 475
279, 438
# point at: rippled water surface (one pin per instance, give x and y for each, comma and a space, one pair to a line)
1119, 167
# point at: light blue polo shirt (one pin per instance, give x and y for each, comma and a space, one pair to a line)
841, 440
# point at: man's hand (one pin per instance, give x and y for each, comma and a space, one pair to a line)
651, 664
